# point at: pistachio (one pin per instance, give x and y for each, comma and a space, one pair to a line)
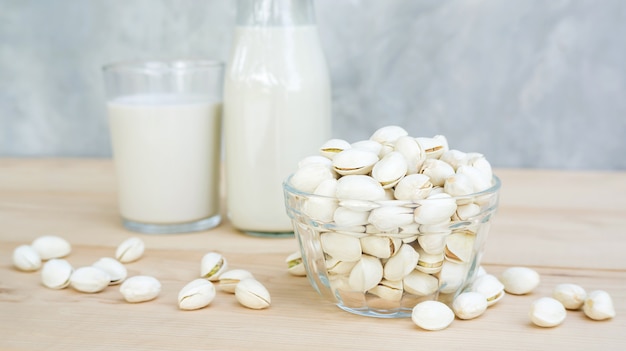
51, 246
454, 158
572, 296
56, 273
212, 265
380, 246
460, 246
295, 266
435, 209
389, 290
89, 279
333, 146
308, 177
229, 279
337, 267
413, 187
390, 169
599, 305
458, 185
465, 212
140, 288
354, 161
389, 134
478, 179
322, 207
252, 294
366, 274
340, 246
25, 258
519, 280
469, 305
387, 218
130, 250
432, 315
428, 262
547, 312
479, 162
490, 287
196, 294
437, 170
401, 264
368, 145
412, 152
433, 147
452, 277
420, 284
317, 160
433, 243
346, 217
116, 270
359, 187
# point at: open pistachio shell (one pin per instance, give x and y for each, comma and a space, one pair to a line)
435, 146
252, 294
368, 145
435, 209
229, 279
332, 147
380, 246
454, 158
460, 246
490, 287
212, 265
389, 134
56, 273
354, 161
388, 218
437, 170
413, 187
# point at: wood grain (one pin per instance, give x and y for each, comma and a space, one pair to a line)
570, 226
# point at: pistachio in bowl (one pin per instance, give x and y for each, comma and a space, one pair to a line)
385, 223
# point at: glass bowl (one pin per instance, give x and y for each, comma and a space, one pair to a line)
385, 273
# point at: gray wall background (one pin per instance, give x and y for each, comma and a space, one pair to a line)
528, 83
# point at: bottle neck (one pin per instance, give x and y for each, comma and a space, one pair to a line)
266, 13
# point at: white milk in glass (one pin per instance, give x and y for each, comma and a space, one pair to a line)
166, 151
276, 112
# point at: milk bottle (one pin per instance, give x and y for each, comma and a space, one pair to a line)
277, 109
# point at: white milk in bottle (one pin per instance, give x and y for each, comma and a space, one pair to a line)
276, 111
166, 152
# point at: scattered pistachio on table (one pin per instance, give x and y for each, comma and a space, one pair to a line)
598, 305
25, 258
116, 270
196, 294
51, 246
519, 280
89, 279
140, 288
56, 273
212, 265
572, 296
295, 266
547, 312
130, 250
252, 294
229, 279
469, 305
432, 315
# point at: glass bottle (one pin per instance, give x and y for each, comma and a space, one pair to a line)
277, 109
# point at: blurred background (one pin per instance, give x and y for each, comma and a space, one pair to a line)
528, 83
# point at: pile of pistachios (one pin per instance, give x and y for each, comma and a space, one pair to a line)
47, 253
399, 218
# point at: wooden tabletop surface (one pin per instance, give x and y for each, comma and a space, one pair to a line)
569, 226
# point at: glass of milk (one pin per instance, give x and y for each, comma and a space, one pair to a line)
165, 124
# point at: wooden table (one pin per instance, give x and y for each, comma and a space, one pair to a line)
569, 226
